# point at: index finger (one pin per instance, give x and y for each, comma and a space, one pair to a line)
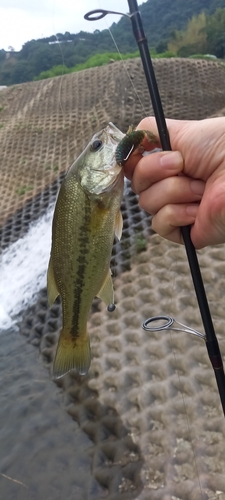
173, 126
149, 123
148, 144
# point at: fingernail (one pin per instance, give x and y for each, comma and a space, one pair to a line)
192, 210
172, 160
198, 187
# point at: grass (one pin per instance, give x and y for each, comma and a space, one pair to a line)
23, 190
96, 60
107, 58
140, 243
203, 56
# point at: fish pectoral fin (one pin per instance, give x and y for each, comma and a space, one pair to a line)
106, 291
51, 285
73, 353
119, 225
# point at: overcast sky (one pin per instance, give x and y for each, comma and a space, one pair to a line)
23, 20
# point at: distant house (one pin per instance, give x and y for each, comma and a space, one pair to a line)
60, 41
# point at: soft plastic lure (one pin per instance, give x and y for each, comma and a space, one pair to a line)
131, 141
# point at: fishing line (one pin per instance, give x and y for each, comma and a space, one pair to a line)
111, 307
211, 343
123, 61
61, 52
127, 72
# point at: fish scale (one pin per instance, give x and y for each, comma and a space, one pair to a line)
84, 224
86, 219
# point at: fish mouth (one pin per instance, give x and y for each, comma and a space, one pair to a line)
114, 132
113, 127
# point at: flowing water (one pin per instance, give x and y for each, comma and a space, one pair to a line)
40, 443
23, 267
46, 454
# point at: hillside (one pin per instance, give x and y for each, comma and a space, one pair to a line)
149, 409
44, 125
161, 18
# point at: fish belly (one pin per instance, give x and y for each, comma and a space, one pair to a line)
83, 233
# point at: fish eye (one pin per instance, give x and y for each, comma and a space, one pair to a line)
96, 145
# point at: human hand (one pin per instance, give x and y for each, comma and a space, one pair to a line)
185, 186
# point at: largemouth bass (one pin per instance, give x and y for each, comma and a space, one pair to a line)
86, 218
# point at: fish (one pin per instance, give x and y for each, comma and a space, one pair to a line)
131, 141
86, 218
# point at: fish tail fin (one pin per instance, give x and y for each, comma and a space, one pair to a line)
73, 353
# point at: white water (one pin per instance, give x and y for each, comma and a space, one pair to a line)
23, 267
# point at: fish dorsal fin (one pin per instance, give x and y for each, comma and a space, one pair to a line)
51, 285
119, 225
106, 291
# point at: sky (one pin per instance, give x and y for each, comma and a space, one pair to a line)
23, 20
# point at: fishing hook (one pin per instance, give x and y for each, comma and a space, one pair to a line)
211, 341
169, 325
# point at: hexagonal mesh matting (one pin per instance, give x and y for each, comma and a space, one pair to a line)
149, 403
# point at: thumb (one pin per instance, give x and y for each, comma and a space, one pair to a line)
174, 128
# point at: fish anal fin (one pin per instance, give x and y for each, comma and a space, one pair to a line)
73, 353
119, 225
51, 284
106, 291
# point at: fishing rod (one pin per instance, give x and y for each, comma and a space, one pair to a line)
210, 338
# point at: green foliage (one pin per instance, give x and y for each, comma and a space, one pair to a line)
203, 56
23, 190
162, 17
97, 60
164, 20
140, 243
192, 39
93, 61
106, 58
166, 54
215, 32
204, 34
2, 55
55, 71
161, 47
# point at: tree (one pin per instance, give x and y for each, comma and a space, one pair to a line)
2, 55
192, 40
215, 33
27, 49
22, 72
163, 20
